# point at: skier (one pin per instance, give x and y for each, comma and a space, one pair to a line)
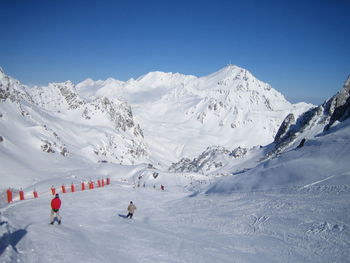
131, 210
55, 207
162, 187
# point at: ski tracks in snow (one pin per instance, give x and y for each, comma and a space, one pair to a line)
295, 226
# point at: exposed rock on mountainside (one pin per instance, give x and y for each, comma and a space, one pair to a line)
314, 121
210, 160
12, 89
339, 106
287, 122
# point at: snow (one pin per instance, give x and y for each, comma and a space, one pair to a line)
288, 207
226, 108
291, 225
279, 213
324, 157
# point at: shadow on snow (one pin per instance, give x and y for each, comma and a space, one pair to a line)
11, 239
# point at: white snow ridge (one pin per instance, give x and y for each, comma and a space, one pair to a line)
247, 176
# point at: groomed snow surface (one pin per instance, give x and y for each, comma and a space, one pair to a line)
284, 225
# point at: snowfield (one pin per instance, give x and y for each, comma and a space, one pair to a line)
285, 225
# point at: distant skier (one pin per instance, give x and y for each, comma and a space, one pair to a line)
55, 207
162, 187
131, 210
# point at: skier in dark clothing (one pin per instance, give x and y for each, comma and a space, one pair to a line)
131, 210
55, 207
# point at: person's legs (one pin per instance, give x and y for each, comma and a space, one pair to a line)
59, 218
52, 217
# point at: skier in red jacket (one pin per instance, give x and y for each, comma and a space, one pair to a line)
55, 207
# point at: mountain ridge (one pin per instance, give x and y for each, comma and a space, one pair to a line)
169, 116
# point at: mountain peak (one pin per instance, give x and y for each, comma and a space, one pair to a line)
230, 72
347, 82
3, 74
232, 67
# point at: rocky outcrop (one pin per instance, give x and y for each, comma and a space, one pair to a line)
12, 89
239, 152
290, 133
211, 159
293, 132
119, 113
339, 106
287, 122
68, 92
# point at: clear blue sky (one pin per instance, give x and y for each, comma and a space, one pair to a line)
300, 47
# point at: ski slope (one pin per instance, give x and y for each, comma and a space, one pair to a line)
287, 206
284, 225
290, 208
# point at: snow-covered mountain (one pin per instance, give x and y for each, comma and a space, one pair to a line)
55, 125
284, 202
183, 115
159, 118
312, 150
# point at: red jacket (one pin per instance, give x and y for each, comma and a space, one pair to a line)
56, 203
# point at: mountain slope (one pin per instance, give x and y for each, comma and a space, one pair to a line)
182, 115
310, 225
311, 151
53, 125
170, 117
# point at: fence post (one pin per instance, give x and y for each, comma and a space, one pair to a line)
103, 182
21, 195
53, 190
72, 188
82, 186
108, 181
63, 189
9, 195
99, 182
35, 193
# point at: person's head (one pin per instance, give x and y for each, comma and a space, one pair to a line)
57, 196
130, 202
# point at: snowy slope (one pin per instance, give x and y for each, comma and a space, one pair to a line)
311, 150
305, 225
322, 160
43, 129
